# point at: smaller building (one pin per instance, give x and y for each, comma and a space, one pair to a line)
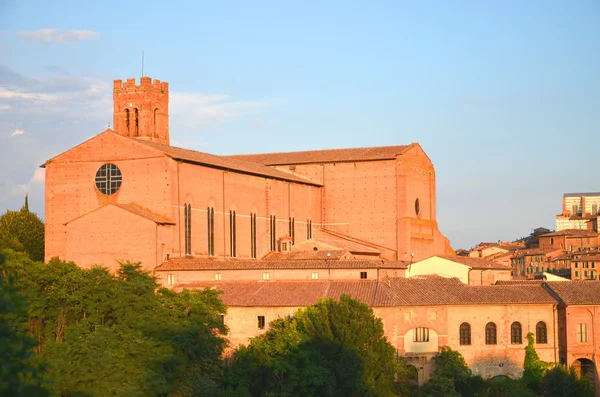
569, 239
471, 271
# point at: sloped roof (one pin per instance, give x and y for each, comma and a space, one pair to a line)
225, 162
388, 292
588, 258
325, 156
215, 264
577, 292
572, 233
293, 293
475, 263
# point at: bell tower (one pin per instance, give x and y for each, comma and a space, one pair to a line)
142, 111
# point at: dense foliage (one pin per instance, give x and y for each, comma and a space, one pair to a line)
336, 348
102, 334
67, 331
23, 230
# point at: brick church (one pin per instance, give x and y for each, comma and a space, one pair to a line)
126, 194
275, 232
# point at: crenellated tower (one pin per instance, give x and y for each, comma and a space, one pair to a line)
142, 111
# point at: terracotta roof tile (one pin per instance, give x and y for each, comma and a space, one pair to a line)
325, 156
577, 292
304, 255
475, 263
292, 293
227, 163
388, 292
519, 282
588, 258
215, 264
572, 233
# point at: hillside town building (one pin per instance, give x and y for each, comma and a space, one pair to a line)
276, 232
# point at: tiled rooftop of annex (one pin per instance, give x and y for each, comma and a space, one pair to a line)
415, 291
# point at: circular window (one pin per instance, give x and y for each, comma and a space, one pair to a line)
417, 206
108, 179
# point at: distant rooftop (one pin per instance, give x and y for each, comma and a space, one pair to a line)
581, 194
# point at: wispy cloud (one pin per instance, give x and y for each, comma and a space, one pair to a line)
54, 35
17, 132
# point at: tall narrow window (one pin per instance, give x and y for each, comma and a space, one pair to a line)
232, 234
127, 121
137, 123
582, 332
187, 209
308, 229
155, 114
292, 229
273, 230
253, 235
541, 333
465, 334
490, 334
516, 333
261, 322
211, 230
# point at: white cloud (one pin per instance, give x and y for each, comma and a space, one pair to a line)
17, 132
4, 106
54, 35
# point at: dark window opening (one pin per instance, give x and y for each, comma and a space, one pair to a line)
516, 336
490, 334
363, 274
232, 234
253, 235
187, 210
211, 230
155, 114
421, 334
292, 227
308, 229
137, 123
541, 333
261, 322
465, 334
417, 208
273, 232
127, 120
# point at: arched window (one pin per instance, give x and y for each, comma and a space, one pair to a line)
127, 120
541, 333
137, 123
465, 334
490, 334
516, 334
155, 113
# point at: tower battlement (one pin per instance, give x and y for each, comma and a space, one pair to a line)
144, 82
142, 110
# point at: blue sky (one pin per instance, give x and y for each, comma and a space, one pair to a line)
503, 96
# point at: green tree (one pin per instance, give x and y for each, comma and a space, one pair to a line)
23, 230
533, 367
562, 382
506, 388
18, 376
438, 386
119, 334
335, 348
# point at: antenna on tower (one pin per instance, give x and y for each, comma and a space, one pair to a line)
142, 63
